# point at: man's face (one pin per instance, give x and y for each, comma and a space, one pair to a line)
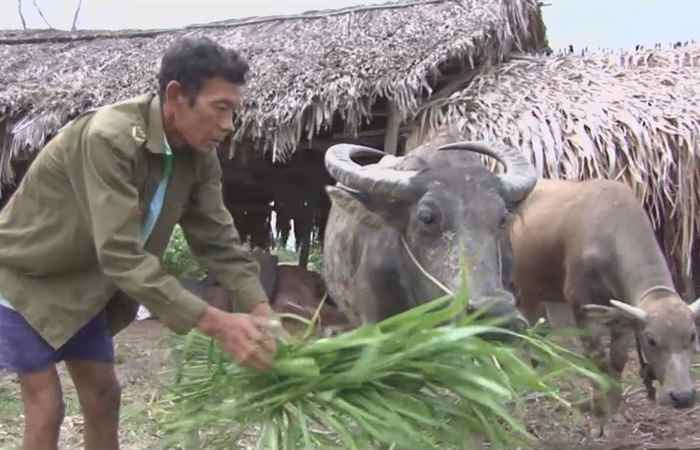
205, 123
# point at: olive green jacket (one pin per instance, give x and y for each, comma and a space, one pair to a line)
71, 234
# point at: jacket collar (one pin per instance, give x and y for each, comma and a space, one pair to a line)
155, 141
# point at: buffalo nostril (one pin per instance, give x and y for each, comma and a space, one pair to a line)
683, 399
496, 304
508, 316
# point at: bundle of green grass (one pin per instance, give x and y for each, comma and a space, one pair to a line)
431, 377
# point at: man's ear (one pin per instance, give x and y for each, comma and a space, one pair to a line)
175, 93
393, 212
173, 90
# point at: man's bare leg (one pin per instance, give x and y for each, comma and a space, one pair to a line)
43, 409
100, 398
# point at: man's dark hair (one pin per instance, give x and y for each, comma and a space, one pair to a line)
192, 61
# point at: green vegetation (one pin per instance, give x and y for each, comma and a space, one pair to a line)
178, 258
430, 377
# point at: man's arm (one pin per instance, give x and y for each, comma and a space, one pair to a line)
213, 238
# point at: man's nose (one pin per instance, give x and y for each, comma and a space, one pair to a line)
226, 123
226, 128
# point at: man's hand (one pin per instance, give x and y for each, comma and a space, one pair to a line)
245, 336
264, 310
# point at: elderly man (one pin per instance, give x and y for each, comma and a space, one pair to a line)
83, 235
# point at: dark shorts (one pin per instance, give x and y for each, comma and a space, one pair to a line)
23, 350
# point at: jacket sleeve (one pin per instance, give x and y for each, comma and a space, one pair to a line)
211, 234
102, 180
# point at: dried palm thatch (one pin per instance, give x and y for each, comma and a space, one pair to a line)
632, 116
306, 69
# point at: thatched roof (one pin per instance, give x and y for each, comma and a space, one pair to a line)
305, 68
633, 116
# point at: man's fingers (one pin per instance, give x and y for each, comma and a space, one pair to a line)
258, 359
263, 361
268, 344
264, 350
265, 325
261, 332
255, 330
256, 354
243, 351
251, 341
247, 356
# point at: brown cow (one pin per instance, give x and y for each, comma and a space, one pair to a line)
290, 288
300, 291
591, 245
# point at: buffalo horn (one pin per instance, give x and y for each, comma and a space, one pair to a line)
695, 307
633, 311
520, 175
341, 165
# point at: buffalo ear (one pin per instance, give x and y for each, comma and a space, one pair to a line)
695, 308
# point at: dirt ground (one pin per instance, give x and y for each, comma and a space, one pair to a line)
142, 356
640, 425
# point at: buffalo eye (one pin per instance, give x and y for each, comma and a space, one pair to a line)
426, 216
503, 221
651, 341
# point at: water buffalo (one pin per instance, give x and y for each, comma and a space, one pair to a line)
290, 288
590, 244
397, 222
300, 291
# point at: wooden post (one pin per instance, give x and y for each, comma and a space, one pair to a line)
304, 221
393, 124
683, 282
305, 250
695, 293
415, 137
667, 235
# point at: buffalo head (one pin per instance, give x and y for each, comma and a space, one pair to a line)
666, 327
398, 221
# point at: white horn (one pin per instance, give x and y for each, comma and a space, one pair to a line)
633, 311
695, 307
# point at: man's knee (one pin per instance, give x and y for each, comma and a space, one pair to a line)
98, 387
43, 405
45, 415
102, 400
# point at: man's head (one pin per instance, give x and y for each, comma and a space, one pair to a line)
200, 87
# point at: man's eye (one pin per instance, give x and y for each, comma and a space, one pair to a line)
223, 107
